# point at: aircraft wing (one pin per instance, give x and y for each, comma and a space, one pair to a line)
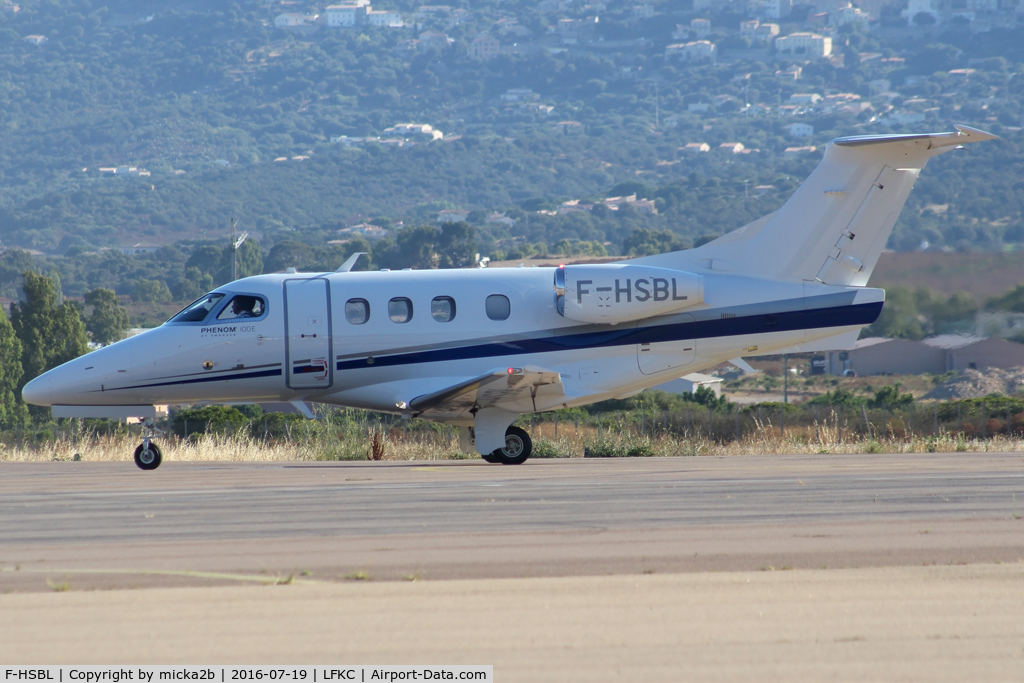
514, 389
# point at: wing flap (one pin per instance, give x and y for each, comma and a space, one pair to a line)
514, 389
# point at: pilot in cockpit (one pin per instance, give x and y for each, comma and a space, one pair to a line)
246, 307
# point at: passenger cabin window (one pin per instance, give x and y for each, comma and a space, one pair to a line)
498, 307
357, 311
400, 310
244, 306
442, 309
197, 311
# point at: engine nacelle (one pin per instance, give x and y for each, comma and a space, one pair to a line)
617, 293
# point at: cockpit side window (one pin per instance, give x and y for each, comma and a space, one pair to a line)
244, 306
197, 311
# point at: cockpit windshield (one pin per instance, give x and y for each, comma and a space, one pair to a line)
197, 311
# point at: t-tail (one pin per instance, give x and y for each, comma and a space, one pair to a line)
834, 227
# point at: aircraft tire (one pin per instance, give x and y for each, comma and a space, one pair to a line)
490, 458
518, 447
148, 459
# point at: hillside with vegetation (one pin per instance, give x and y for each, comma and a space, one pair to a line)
157, 123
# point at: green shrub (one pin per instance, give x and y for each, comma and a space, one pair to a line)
545, 448
602, 447
207, 419
639, 450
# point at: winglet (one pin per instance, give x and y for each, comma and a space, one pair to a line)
976, 133
350, 262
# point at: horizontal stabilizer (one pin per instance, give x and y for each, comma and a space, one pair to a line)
930, 140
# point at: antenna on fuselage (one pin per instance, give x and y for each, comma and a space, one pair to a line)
350, 262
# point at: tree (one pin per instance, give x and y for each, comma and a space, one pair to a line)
937, 57
249, 260
217, 261
643, 242
11, 410
109, 320
706, 396
208, 419
193, 284
956, 308
456, 245
208, 258
1012, 300
889, 397
151, 291
13, 263
899, 317
50, 333
417, 247
289, 253
924, 19
838, 396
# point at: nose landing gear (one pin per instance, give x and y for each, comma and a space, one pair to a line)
148, 455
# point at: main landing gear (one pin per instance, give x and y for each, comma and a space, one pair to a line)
517, 449
148, 455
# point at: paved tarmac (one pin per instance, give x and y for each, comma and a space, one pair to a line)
109, 525
903, 567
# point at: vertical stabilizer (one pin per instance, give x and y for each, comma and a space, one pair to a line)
834, 227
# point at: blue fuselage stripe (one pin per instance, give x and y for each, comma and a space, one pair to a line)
201, 380
786, 321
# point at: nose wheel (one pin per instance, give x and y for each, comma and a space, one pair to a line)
148, 455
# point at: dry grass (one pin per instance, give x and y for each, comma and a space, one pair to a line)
379, 444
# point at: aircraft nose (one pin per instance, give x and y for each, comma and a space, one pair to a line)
40, 391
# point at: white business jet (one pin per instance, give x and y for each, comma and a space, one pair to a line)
478, 348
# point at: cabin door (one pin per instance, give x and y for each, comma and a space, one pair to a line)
308, 334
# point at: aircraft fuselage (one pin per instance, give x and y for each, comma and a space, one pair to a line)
341, 339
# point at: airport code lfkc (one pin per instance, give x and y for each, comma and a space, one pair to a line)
226, 674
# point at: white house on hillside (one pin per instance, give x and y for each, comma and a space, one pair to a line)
696, 51
418, 131
804, 98
452, 215
347, 15
800, 130
385, 17
292, 20
809, 45
483, 47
